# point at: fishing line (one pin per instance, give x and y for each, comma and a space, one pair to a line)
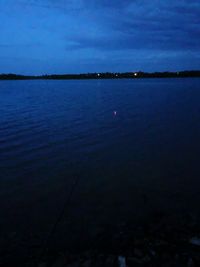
54, 227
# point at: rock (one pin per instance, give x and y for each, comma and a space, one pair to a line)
138, 253
190, 263
42, 264
60, 262
75, 264
152, 252
109, 261
122, 261
195, 241
133, 261
87, 263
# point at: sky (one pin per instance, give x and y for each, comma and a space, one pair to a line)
81, 36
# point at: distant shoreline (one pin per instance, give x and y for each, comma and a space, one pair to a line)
103, 75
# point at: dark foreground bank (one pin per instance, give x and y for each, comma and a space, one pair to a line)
165, 241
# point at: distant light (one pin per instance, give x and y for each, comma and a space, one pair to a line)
135, 74
98, 74
115, 113
116, 75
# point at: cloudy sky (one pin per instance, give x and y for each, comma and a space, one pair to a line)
73, 36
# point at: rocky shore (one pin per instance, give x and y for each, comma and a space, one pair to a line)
163, 241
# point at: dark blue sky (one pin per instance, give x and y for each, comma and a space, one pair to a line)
73, 36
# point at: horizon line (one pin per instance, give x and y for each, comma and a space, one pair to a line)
101, 73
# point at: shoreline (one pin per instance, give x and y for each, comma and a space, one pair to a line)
99, 76
164, 240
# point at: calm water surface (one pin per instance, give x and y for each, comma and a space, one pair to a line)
143, 159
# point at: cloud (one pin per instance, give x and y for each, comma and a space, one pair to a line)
62, 4
101, 31
20, 45
143, 25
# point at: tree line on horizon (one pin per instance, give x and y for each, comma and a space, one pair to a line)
103, 75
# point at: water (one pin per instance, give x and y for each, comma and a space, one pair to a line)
142, 159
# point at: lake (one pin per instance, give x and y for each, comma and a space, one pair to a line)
121, 149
